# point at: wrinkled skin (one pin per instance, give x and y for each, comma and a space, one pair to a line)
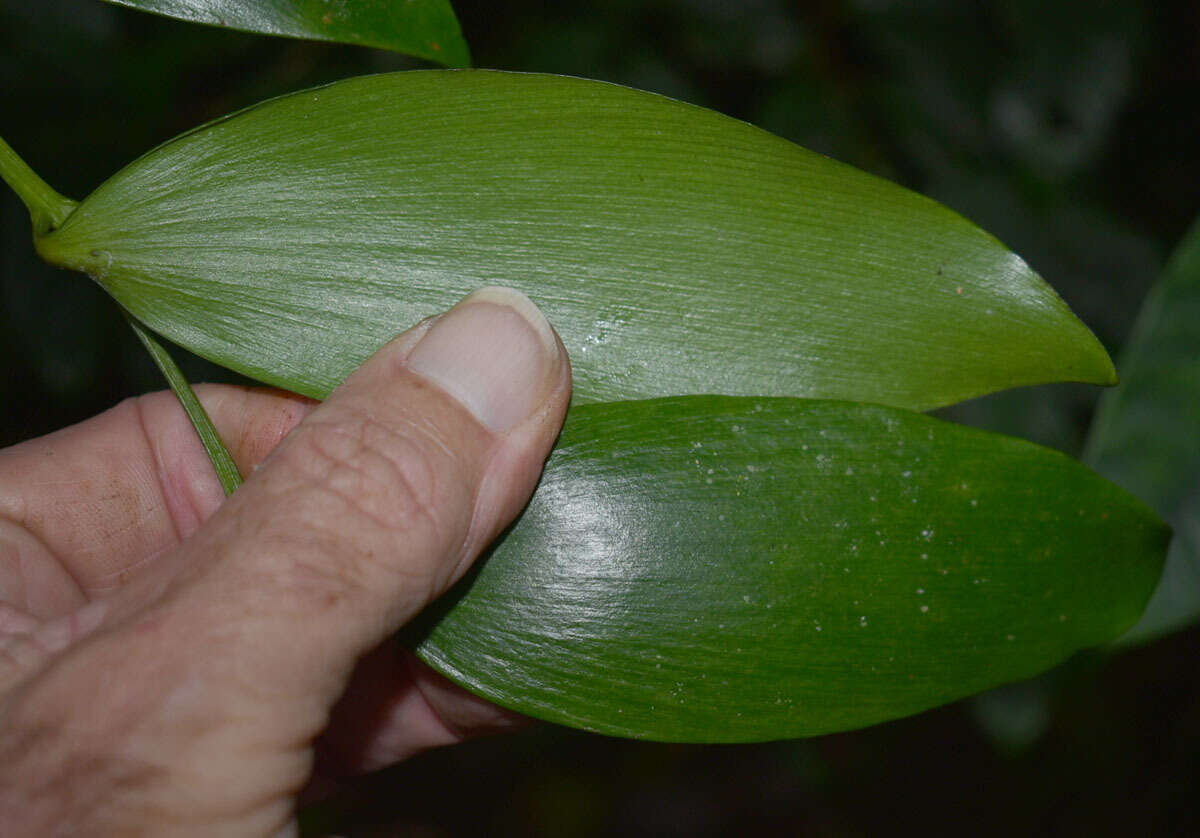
177, 663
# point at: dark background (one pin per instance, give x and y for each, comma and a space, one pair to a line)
1070, 129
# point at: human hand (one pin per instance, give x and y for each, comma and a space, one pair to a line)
175, 663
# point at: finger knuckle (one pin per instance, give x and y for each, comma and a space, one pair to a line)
372, 492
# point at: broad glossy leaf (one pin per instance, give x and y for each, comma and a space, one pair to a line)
732, 569
676, 250
1146, 435
424, 28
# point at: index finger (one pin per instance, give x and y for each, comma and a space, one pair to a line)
111, 494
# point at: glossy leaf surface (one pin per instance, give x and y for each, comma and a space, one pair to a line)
1146, 435
676, 250
424, 28
731, 569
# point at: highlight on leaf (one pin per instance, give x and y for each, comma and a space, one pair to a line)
741, 569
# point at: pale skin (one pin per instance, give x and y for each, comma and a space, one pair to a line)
175, 663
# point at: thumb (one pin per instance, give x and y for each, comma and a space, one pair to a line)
197, 713
380, 499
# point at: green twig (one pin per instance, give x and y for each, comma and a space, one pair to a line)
47, 208
227, 472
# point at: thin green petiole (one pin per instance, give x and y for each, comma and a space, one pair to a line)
47, 208
222, 461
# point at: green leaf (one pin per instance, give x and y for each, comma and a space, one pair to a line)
737, 569
1146, 436
676, 250
730, 569
424, 28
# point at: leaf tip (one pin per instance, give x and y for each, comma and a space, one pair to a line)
1081, 356
1105, 371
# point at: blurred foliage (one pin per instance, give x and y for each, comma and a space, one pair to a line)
1068, 129
1146, 435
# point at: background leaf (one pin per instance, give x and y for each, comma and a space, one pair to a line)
424, 28
675, 250
1146, 435
715, 569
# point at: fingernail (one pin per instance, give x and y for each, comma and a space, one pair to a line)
495, 353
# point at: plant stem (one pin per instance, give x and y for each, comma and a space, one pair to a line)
222, 461
47, 208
